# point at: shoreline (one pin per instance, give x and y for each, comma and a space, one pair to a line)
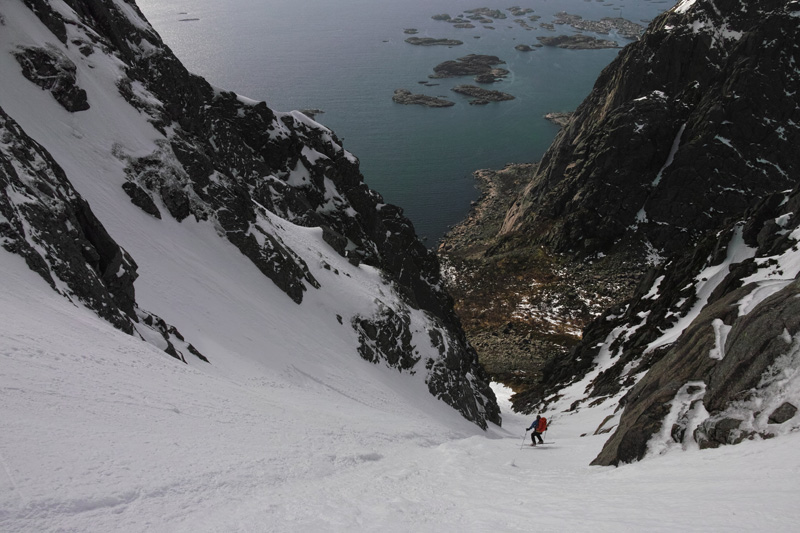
511, 351
520, 306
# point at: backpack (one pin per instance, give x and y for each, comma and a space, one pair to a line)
542, 427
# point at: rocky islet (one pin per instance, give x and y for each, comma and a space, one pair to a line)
485, 69
406, 97
625, 28
484, 66
481, 96
430, 41
577, 42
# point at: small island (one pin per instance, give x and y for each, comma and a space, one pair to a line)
625, 28
405, 97
578, 42
523, 24
430, 41
523, 48
482, 96
517, 11
481, 66
486, 12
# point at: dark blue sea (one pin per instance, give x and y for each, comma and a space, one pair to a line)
346, 57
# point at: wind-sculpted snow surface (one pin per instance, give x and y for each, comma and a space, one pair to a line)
169, 163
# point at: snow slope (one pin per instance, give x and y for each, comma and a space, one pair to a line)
287, 429
189, 274
100, 432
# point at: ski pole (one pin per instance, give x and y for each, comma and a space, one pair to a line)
524, 438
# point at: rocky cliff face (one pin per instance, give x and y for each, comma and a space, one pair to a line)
45, 221
228, 161
707, 349
684, 129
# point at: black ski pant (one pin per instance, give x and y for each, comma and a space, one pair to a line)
536, 435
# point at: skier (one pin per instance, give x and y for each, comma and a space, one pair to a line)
538, 426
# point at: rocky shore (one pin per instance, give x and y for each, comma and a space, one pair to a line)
520, 307
560, 119
405, 97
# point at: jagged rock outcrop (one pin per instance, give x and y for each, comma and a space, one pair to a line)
387, 337
685, 128
726, 322
708, 338
46, 222
715, 336
53, 71
238, 165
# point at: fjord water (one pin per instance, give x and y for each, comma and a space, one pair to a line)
346, 57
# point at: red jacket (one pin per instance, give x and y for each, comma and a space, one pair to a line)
539, 425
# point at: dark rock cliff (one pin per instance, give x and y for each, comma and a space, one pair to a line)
678, 154
738, 298
688, 126
686, 129
235, 163
47, 223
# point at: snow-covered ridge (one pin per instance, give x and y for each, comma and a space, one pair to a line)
171, 165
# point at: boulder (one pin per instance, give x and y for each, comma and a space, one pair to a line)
782, 414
